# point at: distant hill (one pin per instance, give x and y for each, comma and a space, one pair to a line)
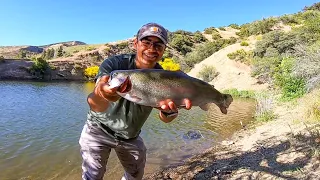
67, 43
12, 52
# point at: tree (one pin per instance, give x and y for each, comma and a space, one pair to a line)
49, 53
60, 51
22, 54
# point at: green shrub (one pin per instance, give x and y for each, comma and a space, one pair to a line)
244, 43
198, 37
207, 73
234, 26
281, 41
257, 27
231, 40
90, 48
183, 32
167, 54
205, 50
265, 67
200, 53
244, 31
242, 93
259, 37
39, 65
265, 116
181, 43
291, 86
309, 32
222, 28
242, 56
123, 45
210, 30
289, 19
216, 35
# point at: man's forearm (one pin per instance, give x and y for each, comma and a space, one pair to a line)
97, 103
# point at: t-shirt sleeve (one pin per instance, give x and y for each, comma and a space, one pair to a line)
106, 67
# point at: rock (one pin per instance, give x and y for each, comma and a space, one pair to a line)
193, 134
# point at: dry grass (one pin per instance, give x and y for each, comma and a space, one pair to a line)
311, 106
264, 107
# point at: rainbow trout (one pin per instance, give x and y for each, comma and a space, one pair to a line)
150, 86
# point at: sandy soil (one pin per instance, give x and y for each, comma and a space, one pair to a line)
232, 74
279, 149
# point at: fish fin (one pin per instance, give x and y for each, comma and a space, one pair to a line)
117, 82
130, 97
204, 107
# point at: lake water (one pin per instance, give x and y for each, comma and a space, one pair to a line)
40, 125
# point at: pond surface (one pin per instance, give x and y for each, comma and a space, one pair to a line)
40, 125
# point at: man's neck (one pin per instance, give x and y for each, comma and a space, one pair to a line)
144, 66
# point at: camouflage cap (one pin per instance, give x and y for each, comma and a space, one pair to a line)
153, 29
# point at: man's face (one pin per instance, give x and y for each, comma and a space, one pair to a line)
149, 51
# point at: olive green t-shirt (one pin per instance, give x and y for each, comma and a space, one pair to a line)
124, 118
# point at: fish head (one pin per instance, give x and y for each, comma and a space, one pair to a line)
120, 80
227, 100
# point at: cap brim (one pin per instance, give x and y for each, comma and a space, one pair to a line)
156, 35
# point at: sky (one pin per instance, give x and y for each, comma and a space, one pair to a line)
41, 22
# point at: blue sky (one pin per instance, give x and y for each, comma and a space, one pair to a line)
40, 22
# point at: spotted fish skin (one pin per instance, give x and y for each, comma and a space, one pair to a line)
150, 86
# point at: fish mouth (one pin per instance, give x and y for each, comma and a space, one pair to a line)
126, 86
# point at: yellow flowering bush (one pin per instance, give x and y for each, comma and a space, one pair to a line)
169, 64
91, 72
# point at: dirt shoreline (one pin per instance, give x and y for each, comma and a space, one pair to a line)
278, 149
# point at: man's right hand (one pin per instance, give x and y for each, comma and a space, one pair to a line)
102, 94
104, 91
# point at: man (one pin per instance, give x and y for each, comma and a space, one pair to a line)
114, 122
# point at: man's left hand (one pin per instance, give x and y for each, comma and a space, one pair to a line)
168, 106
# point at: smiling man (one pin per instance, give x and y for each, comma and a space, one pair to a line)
114, 122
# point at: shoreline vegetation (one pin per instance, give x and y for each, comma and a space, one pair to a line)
275, 61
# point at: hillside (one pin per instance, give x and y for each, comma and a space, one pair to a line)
232, 74
277, 58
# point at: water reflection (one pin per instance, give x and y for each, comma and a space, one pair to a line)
41, 124
240, 113
88, 87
